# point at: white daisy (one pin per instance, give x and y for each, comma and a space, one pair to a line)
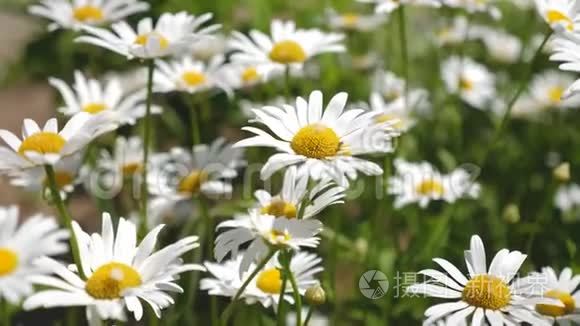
421, 183
547, 90
455, 34
286, 47
265, 288
169, 36
37, 236
264, 232
127, 158
208, 47
563, 288
321, 142
239, 76
388, 6
72, 14
119, 273
395, 111
567, 198
475, 6
179, 175
392, 89
565, 49
472, 81
487, 295
67, 174
48, 145
352, 21
295, 193
95, 97
189, 75
501, 46
559, 14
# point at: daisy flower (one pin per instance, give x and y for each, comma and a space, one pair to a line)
126, 159
395, 111
189, 75
473, 82
392, 89
295, 193
501, 46
559, 14
485, 295
72, 14
263, 232
563, 288
67, 173
567, 200
475, 6
169, 36
95, 97
421, 183
388, 6
547, 90
37, 236
565, 49
352, 21
321, 142
265, 288
48, 145
287, 47
208, 47
239, 76
179, 175
119, 273
458, 32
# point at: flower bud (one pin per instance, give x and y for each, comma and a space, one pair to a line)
562, 172
315, 295
511, 214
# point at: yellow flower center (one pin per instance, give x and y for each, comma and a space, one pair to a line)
486, 291
465, 84
269, 281
193, 78
62, 179
430, 187
316, 141
250, 74
555, 94
556, 311
279, 207
94, 108
131, 168
192, 182
109, 281
88, 13
350, 20
43, 142
555, 16
287, 52
8, 261
144, 38
278, 237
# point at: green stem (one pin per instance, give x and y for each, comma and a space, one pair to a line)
308, 316
4, 312
195, 133
65, 217
146, 146
523, 85
281, 315
296, 292
229, 309
404, 49
287, 83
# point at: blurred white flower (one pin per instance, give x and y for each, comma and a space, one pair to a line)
475, 6
72, 14
126, 161
567, 198
547, 90
287, 47
457, 33
119, 273
189, 75
264, 232
98, 98
321, 142
392, 89
265, 288
472, 81
501, 46
351, 21
421, 183
488, 294
171, 35
208, 47
388, 6
37, 236
565, 50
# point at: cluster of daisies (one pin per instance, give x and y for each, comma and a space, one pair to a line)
263, 254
